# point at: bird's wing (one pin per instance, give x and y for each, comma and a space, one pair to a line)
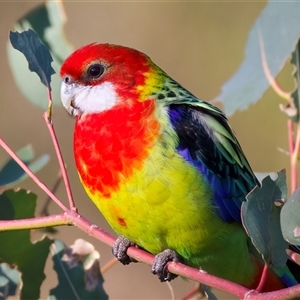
207, 141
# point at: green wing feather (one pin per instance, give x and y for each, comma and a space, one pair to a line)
207, 141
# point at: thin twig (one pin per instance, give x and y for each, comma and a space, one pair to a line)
263, 278
31, 174
293, 164
294, 161
290, 127
109, 265
60, 161
293, 147
271, 80
171, 290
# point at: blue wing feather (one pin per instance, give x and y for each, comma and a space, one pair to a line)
230, 178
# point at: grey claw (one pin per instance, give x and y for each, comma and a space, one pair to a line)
120, 248
160, 265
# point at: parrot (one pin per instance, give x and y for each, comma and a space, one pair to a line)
163, 167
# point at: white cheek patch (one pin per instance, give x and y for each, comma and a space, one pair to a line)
92, 99
88, 99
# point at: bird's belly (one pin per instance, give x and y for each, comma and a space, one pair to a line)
167, 204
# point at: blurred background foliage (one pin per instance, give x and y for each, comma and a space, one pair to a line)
199, 44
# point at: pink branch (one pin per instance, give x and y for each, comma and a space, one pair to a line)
193, 293
263, 278
38, 222
60, 161
72, 217
294, 161
109, 265
48, 119
293, 164
272, 82
145, 257
32, 175
293, 147
290, 127
284, 294
183, 270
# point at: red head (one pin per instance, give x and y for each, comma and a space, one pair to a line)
96, 76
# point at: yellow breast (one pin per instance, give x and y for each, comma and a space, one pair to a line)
167, 195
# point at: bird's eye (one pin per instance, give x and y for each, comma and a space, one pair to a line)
95, 71
66, 79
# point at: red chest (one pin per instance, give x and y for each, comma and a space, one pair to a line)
109, 146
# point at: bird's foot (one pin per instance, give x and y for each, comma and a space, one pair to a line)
119, 250
160, 264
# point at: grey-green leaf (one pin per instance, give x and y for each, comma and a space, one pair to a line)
279, 27
290, 219
16, 247
47, 20
261, 219
37, 54
11, 173
10, 280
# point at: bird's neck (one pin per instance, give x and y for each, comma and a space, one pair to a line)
110, 146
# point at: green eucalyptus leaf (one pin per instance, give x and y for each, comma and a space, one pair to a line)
261, 219
290, 219
10, 280
47, 20
260, 175
16, 247
11, 173
279, 28
37, 54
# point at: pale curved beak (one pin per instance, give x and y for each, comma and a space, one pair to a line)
67, 98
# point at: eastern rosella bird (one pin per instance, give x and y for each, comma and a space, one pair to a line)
163, 166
